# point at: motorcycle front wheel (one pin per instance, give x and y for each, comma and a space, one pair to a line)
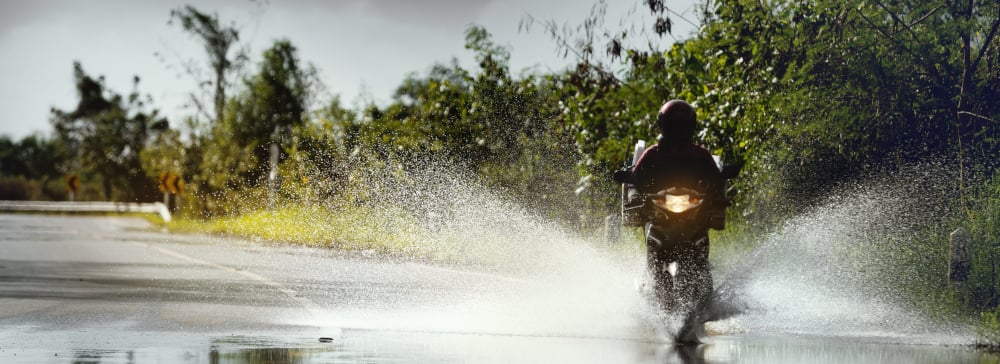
679, 271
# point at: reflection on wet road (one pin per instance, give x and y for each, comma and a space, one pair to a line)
408, 347
109, 290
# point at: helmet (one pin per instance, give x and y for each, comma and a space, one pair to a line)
676, 121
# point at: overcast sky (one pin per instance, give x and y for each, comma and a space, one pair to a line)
360, 47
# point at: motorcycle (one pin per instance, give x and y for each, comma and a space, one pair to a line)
675, 222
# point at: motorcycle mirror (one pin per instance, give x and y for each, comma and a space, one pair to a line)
622, 176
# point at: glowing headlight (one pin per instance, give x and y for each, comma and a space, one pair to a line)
678, 203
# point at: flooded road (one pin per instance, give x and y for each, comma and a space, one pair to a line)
110, 290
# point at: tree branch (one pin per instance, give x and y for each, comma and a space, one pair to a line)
896, 18
989, 39
977, 116
921, 20
553, 29
201, 108
679, 15
931, 69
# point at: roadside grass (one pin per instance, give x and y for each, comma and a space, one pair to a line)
984, 283
989, 331
386, 232
356, 229
734, 242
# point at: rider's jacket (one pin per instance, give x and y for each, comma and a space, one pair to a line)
680, 165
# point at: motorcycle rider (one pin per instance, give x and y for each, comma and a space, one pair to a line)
676, 161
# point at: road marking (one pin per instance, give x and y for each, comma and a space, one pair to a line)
306, 303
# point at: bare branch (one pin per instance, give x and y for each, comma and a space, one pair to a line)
976, 116
928, 15
931, 69
201, 108
563, 43
895, 17
679, 15
909, 27
989, 39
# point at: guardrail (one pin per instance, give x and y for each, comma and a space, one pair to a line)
87, 206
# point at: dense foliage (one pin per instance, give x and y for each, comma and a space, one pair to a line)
808, 93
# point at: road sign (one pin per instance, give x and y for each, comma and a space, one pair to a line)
163, 181
178, 186
73, 183
171, 183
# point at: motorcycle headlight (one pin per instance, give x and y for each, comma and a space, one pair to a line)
678, 203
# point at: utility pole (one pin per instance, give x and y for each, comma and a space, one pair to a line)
272, 179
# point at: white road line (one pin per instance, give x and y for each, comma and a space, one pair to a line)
306, 303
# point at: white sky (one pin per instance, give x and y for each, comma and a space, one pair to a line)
358, 46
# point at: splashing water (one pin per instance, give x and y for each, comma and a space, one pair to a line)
852, 266
834, 271
553, 281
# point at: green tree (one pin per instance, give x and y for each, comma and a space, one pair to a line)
32, 157
484, 122
219, 41
223, 167
507, 110
858, 85
953, 49
10, 164
105, 134
472, 118
273, 105
28, 169
164, 152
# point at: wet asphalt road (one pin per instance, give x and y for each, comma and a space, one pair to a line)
76, 289
71, 283
116, 272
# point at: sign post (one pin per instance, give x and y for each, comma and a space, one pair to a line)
171, 184
163, 188
175, 185
72, 186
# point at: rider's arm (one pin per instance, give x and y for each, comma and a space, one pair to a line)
642, 171
641, 176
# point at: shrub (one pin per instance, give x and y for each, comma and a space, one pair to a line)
19, 188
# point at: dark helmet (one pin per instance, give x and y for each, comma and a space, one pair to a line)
676, 121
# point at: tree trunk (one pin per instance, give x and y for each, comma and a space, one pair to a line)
220, 94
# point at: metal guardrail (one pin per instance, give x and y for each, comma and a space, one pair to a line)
87, 206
